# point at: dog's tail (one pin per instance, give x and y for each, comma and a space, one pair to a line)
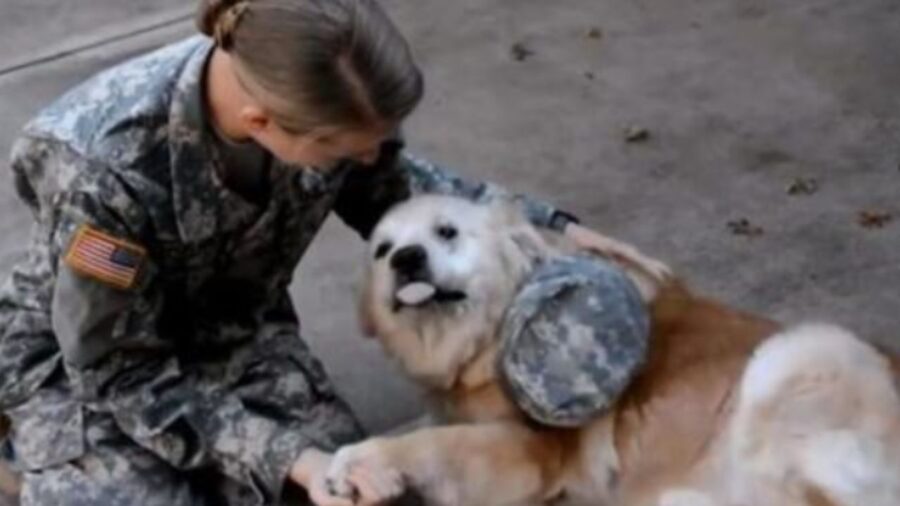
818, 415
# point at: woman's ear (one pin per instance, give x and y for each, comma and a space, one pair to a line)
254, 119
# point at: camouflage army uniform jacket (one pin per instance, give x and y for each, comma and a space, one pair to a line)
200, 360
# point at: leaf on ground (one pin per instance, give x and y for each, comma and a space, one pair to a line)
636, 134
744, 227
520, 52
874, 219
803, 186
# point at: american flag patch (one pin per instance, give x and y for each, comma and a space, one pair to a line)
105, 258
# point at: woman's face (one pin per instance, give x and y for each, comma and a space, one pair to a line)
322, 148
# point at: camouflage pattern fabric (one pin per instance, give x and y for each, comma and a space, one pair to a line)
573, 339
114, 471
198, 364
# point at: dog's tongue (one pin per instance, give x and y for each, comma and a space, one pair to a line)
416, 293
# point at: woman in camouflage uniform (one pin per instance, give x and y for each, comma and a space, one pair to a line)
150, 351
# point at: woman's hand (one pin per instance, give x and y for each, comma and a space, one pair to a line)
655, 272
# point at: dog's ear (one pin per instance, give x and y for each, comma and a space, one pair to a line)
529, 244
507, 213
523, 244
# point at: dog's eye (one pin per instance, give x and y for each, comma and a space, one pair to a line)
447, 232
383, 249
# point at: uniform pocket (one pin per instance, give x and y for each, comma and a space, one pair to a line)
47, 430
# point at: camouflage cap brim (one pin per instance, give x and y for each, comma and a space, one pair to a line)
574, 337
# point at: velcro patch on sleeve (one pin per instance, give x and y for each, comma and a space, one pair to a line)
107, 259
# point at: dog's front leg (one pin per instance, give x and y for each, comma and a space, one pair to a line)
493, 464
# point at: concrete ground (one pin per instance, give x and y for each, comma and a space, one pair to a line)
741, 101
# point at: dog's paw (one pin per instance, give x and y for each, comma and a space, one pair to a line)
362, 473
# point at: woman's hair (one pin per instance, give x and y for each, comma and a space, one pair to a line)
322, 62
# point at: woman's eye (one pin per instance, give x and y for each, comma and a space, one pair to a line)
382, 250
447, 232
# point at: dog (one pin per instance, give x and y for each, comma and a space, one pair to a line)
730, 408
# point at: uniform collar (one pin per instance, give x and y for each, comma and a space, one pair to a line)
194, 193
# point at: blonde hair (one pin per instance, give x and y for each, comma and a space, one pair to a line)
321, 62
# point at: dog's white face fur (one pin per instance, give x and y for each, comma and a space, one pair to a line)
472, 256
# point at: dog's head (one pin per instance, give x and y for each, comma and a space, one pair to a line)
441, 272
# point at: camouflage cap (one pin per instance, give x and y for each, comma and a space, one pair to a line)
573, 338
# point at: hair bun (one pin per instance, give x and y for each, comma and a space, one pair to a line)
219, 18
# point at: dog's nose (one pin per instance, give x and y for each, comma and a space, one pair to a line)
409, 259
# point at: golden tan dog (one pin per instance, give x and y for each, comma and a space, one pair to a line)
730, 410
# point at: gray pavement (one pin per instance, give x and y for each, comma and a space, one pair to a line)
32, 28
739, 97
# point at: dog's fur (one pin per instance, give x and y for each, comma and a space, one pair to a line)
730, 410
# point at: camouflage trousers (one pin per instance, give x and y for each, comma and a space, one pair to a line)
115, 471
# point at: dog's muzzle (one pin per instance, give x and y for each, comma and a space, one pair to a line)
414, 280
410, 264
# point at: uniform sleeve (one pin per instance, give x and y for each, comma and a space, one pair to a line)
118, 361
369, 192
